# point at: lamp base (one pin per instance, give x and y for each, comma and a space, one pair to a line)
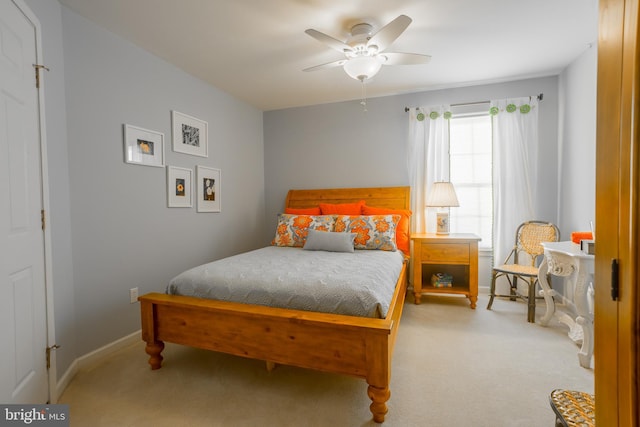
442, 223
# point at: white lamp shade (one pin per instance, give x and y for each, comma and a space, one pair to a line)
442, 194
362, 67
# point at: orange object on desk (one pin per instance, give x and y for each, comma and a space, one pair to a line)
576, 236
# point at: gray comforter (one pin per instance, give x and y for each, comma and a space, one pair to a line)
356, 284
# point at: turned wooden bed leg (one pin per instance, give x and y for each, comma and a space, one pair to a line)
379, 397
154, 349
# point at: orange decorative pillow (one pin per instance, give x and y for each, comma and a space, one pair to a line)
342, 208
372, 232
403, 238
292, 230
303, 211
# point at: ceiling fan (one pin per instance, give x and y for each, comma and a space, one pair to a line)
365, 51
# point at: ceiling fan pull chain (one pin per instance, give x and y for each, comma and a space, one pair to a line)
364, 97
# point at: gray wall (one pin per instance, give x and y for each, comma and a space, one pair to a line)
577, 149
340, 145
123, 234
111, 228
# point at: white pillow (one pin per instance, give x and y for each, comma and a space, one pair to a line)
329, 241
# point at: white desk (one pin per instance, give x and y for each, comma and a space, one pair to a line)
565, 259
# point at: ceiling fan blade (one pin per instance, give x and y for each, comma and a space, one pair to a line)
329, 41
333, 64
387, 34
395, 58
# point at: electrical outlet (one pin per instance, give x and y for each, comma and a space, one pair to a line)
133, 295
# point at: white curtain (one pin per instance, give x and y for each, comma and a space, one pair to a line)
515, 152
427, 159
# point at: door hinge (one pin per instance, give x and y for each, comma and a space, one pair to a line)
42, 218
38, 67
615, 284
53, 347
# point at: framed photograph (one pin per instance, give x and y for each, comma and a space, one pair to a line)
143, 146
179, 187
189, 135
208, 189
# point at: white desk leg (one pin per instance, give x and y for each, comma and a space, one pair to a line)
576, 332
584, 318
547, 293
586, 351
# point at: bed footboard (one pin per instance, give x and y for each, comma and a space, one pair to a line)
356, 346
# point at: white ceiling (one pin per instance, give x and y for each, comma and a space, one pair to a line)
255, 50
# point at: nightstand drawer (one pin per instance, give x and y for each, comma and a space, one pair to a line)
445, 252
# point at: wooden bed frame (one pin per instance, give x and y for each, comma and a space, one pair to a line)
357, 346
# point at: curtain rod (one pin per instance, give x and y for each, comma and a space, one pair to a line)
407, 109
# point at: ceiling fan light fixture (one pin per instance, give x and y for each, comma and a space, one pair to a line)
365, 50
362, 67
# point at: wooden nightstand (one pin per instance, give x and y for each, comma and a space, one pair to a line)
453, 254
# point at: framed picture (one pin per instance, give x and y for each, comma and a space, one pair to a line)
179, 187
143, 146
189, 134
208, 189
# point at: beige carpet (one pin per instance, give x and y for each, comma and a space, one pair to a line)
452, 366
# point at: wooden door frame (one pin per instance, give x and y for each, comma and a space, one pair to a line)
628, 320
617, 367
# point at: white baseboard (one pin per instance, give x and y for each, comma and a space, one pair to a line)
64, 381
95, 357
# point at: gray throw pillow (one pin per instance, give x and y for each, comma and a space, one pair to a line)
329, 241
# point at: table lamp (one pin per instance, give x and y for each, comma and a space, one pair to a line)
442, 195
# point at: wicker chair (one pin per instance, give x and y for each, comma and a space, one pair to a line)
573, 408
529, 237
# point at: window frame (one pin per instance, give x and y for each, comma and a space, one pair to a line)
468, 111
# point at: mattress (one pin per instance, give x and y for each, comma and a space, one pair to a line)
359, 283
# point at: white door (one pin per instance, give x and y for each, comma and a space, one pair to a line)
23, 317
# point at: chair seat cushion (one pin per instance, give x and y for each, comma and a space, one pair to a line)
522, 270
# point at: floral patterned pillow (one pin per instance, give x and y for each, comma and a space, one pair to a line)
292, 229
403, 239
372, 231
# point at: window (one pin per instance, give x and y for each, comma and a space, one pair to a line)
470, 157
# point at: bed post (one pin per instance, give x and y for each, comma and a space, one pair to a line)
378, 374
154, 347
379, 397
380, 351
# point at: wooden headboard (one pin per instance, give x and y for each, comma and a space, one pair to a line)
383, 197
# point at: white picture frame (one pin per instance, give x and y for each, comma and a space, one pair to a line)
179, 185
208, 189
189, 135
143, 146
